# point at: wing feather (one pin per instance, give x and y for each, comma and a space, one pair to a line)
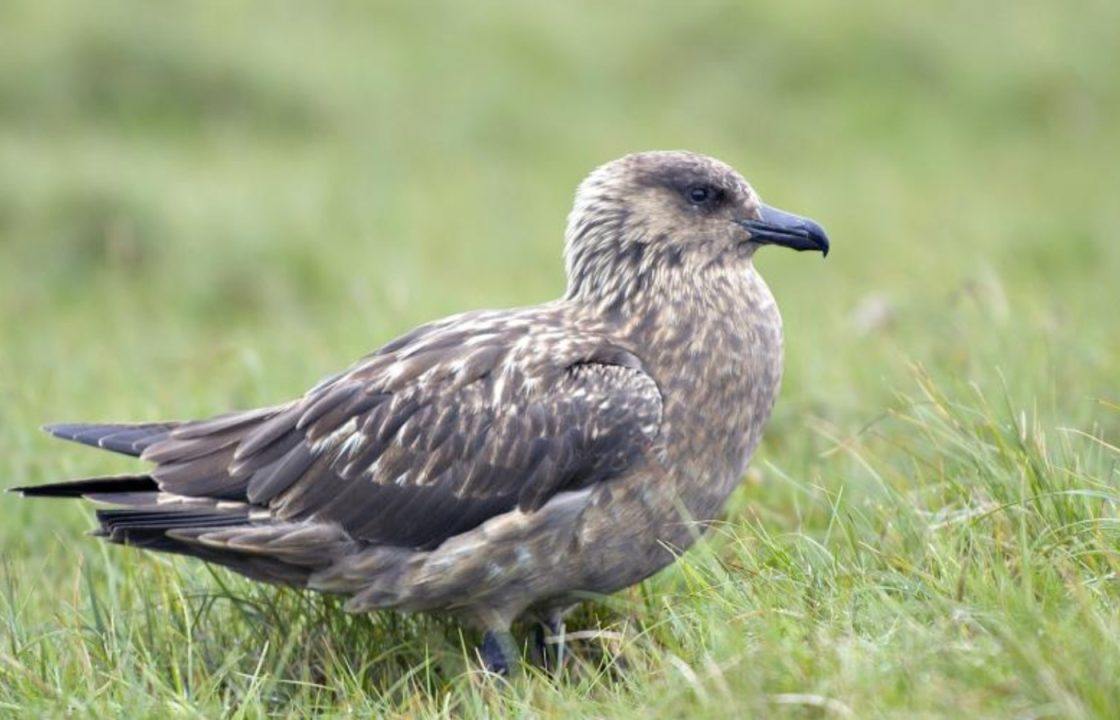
454, 423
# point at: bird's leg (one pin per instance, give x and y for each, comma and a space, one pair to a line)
548, 641
497, 652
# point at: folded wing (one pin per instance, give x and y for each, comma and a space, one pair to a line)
453, 424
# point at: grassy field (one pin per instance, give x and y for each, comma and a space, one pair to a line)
210, 206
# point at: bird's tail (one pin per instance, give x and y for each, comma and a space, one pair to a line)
138, 514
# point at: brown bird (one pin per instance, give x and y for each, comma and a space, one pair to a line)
499, 464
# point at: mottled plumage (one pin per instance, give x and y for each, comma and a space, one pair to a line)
499, 462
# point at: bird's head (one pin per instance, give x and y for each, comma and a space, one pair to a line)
654, 213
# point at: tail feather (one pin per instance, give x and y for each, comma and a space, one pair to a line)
121, 525
129, 439
161, 537
179, 531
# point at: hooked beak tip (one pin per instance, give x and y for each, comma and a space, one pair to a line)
777, 227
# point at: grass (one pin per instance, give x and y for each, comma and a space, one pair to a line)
212, 205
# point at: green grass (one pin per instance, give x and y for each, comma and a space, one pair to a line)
208, 206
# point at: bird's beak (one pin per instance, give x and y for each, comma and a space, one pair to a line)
777, 227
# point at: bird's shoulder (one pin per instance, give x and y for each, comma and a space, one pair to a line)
530, 344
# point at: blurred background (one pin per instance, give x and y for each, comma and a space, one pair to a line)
211, 205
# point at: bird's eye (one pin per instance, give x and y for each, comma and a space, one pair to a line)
699, 194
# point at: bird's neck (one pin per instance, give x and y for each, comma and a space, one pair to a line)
709, 324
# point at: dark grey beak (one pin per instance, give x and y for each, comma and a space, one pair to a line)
777, 227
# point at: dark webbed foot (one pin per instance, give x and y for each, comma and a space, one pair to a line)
497, 652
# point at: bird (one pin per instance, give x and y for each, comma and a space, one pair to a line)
498, 465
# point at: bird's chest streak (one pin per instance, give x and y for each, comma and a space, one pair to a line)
716, 352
